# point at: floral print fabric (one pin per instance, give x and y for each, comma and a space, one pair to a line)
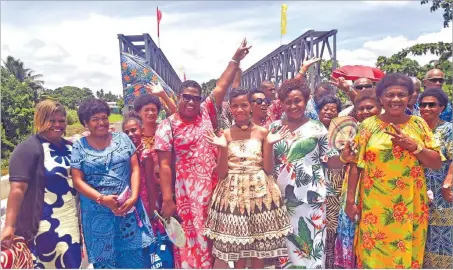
393, 223
300, 176
195, 178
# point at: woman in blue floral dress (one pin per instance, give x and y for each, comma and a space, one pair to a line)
439, 246
105, 170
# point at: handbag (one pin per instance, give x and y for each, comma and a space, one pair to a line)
161, 253
17, 256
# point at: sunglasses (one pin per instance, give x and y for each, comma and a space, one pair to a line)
429, 104
188, 98
436, 80
260, 101
363, 86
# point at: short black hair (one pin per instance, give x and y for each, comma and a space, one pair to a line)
329, 100
146, 99
131, 116
327, 86
437, 93
293, 84
394, 79
369, 93
254, 91
189, 83
236, 92
90, 107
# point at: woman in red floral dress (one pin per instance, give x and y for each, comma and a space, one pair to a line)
179, 139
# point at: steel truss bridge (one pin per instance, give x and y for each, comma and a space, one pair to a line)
284, 62
144, 47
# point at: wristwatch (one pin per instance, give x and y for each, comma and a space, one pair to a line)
420, 148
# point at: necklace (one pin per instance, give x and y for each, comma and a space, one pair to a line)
244, 127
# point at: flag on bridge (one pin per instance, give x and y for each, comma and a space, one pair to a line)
159, 17
185, 77
283, 20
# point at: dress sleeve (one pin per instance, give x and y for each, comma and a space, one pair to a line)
23, 163
210, 109
163, 139
77, 155
429, 139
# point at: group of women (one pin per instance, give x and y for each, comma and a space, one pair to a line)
253, 190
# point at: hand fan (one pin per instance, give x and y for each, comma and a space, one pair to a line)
341, 130
174, 230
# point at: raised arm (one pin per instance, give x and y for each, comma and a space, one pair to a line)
158, 90
237, 79
229, 74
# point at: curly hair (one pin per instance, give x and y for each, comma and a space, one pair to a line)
365, 94
190, 83
330, 100
394, 79
438, 93
236, 92
293, 84
90, 107
131, 116
144, 100
254, 91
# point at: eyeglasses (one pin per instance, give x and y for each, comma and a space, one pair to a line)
260, 101
363, 86
429, 104
188, 98
437, 80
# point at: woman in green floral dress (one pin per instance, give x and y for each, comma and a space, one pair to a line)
299, 161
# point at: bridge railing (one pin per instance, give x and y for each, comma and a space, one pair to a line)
144, 46
284, 62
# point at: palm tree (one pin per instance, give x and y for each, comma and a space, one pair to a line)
22, 74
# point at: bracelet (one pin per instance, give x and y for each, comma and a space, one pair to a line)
342, 160
99, 199
234, 61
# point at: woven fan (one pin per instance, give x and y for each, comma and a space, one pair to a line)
342, 130
174, 230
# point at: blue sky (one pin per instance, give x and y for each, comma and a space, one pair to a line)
75, 43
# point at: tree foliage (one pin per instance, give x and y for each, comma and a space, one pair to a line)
70, 96
446, 5
17, 111
207, 87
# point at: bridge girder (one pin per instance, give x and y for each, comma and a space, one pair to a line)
284, 62
144, 46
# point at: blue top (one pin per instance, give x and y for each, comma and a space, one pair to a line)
109, 171
312, 110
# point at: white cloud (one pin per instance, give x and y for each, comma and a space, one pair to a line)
371, 50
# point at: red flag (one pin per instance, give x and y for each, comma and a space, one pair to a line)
159, 17
185, 77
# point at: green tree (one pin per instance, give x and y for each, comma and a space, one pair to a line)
120, 103
326, 69
207, 87
17, 111
70, 96
100, 94
446, 5
16, 67
109, 97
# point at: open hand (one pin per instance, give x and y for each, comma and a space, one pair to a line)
402, 140
216, 140
242, 51
340, 83
155, 89
278, 136
307, 63
447, 194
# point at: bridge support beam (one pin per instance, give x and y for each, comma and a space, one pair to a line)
284, 62
144, 46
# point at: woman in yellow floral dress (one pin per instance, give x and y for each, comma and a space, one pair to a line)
393, 208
